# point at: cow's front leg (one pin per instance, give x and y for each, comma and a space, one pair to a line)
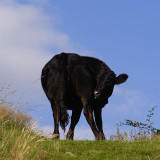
88, 112
98, 119
55, 110
76, 113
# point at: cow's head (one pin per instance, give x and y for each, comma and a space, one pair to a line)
105, 83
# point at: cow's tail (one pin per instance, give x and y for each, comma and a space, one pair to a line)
64, 117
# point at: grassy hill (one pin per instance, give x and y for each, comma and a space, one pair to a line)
19, 140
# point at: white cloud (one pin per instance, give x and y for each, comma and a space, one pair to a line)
125, 104
27, 39
133, 102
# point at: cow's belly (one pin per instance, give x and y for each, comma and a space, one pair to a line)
73, 102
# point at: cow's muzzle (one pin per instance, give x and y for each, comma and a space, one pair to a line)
96, 94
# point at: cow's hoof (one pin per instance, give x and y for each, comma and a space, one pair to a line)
55, 136
101, 136
70, 135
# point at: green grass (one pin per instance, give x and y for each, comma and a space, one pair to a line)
18, 142
81, 150
26, 145
109, 150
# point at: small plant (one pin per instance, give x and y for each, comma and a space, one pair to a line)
145, 129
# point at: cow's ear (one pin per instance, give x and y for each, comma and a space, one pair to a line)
121, 78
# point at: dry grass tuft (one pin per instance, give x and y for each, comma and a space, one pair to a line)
19, 137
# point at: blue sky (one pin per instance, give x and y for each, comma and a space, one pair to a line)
124, 34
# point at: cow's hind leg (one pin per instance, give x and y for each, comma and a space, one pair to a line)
76, 113
55, 109
98, 119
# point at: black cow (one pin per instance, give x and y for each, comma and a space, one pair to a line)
73, 82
